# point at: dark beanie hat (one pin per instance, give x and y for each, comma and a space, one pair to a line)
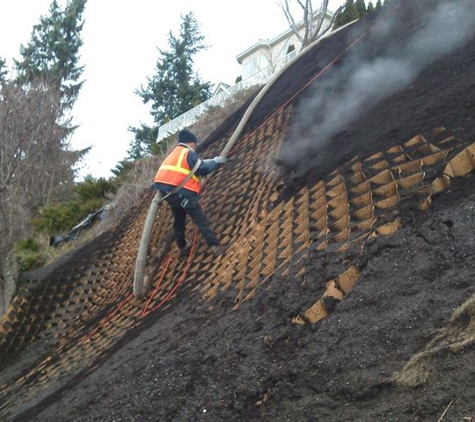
185, 137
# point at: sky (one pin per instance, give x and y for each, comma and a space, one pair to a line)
120, 50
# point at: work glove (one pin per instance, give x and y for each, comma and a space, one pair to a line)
221, 160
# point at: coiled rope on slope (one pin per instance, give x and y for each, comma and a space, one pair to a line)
141, 282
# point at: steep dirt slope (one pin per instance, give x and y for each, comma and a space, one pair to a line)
348, 291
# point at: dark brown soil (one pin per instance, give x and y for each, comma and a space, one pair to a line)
254, 364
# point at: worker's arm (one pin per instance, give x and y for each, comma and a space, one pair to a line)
206, 167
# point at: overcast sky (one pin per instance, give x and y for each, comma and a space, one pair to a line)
121, 41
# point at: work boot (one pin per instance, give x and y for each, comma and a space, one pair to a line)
219, 249
185, 251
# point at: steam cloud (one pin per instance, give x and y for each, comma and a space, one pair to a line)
449, 26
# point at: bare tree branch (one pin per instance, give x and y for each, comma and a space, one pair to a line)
337, 11
290, 19
311, 23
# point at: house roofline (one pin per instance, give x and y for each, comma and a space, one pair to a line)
273, 41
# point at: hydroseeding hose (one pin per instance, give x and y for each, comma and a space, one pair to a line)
140, 282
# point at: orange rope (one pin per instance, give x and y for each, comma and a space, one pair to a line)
185, 271
107, 318
158, 285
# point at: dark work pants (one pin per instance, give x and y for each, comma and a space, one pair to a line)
180, 208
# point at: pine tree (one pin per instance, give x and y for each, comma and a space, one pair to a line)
3, 70
348, 14
360, 8
144, 142
50, 62
51, 59
378, 5
370, 7
52, 54
175, 88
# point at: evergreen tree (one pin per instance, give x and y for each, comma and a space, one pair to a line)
360, 8
3, 69
121, 170
51, 58
338, 19
144, 141
370, 7
347, 15
378, 5
50, 63
52, 54
175, 88
352, 13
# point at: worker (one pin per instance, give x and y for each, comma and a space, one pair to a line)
173, 171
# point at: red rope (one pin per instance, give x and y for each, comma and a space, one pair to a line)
107, 318
185, 271
158, 284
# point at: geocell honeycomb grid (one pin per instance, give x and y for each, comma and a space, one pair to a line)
69, 319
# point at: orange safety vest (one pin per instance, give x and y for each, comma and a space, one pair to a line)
175, 168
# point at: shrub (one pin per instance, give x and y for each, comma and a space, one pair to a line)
29, 254
88, 196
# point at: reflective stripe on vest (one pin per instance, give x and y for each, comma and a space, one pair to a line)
175, 168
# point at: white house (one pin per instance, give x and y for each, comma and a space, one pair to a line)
221, 87
267, 56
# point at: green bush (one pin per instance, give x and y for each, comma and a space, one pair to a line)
88, 197
56, 218
92, 188
29, 254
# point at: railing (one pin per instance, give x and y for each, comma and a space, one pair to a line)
219, 100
